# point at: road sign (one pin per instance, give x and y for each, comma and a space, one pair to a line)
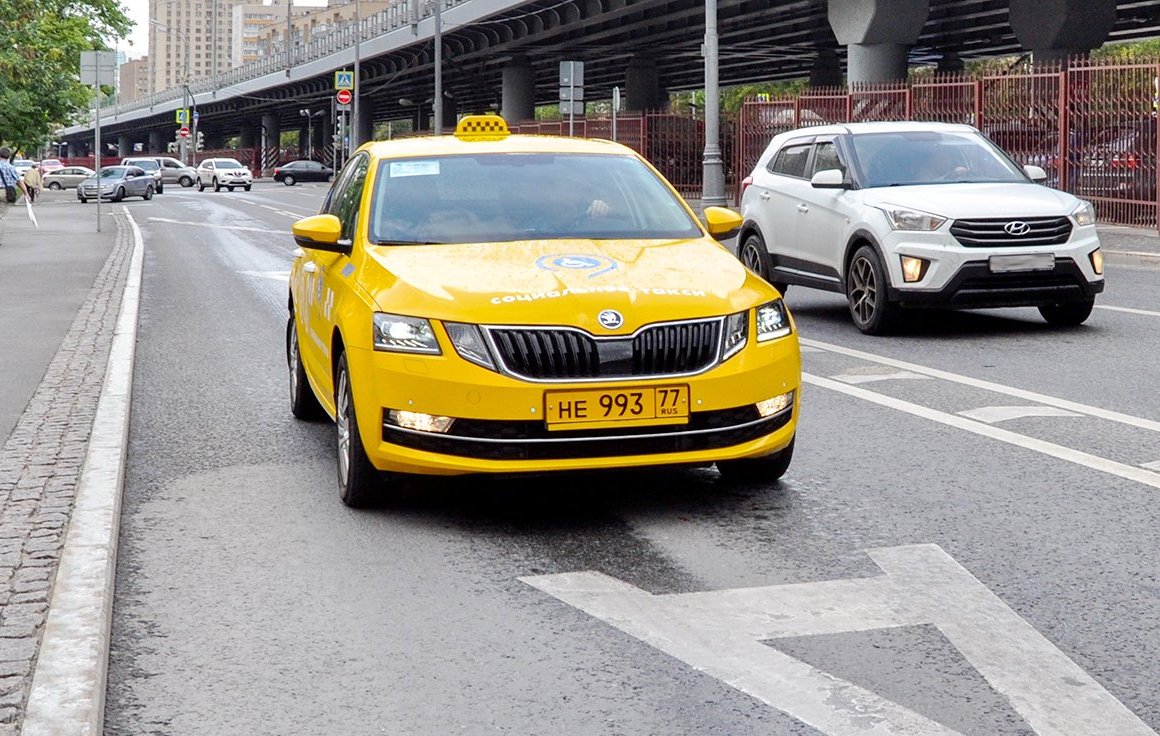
344, 96
196, 115
184, 132
181, 116
571, 74
98, 65
344, 79
574, 107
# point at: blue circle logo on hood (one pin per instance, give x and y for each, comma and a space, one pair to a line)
597, 265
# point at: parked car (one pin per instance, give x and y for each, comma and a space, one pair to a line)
150, 164
304, 170
175, 172
496, 303
917, 214
22, 164
1118, 162
49, 165
67, 177
223, 172
117, 182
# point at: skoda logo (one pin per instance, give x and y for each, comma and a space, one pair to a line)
610, 319
1017, 227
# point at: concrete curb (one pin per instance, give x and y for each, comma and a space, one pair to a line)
1131, 257
67, 697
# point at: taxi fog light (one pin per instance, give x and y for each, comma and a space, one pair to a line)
772, 321
419, 422
735, 334
469, 343
913, 269
397, 333
769, 407
1097, 257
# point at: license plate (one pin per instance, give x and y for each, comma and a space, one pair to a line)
616, 407
1022, 262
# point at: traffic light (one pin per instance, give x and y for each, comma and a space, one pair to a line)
200, 141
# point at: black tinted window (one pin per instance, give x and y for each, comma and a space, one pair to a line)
791, 160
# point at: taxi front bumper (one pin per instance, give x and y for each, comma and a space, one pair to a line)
499, 422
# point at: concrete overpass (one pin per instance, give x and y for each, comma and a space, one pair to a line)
504, 55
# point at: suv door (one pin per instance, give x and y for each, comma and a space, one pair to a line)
822, 224
780, 187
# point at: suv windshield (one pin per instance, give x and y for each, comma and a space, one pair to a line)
228, 164
910, 158
146, 163
518, 196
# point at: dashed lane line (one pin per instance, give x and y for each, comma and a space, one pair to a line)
216, 226
1129, 472
1128, 310
1092, 411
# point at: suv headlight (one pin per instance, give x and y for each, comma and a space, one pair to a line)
469, 343
1085, 214
735, 334
772, 321
399, 334
904, 218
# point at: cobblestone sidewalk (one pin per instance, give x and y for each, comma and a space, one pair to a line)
40, 466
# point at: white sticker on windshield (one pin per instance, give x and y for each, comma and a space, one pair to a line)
414, 168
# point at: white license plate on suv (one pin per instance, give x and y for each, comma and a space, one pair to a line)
1022, 262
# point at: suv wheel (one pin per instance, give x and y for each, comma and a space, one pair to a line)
1067, 314
200, 186
216, 187
755, 256
866, 285
185, 181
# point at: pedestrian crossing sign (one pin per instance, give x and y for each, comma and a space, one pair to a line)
182, 116
344, 79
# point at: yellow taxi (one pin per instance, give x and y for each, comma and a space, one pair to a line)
485, 302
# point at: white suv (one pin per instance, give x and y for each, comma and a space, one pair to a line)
223, 172
916, 214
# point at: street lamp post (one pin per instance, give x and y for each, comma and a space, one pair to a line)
309, 115
185, 82
356, 132
713, 169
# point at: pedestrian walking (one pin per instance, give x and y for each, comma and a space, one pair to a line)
13, 185
32, 181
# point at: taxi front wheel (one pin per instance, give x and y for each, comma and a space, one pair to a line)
757, 470
360, 484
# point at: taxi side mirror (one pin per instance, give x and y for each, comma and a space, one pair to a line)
321, 232
721, 222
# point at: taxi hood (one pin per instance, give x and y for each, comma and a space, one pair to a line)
564, 281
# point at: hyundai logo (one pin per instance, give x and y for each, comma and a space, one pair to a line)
610, 319
1017, 227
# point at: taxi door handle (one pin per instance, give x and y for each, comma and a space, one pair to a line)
310, 267
803, 208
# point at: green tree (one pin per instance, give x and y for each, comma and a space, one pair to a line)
40, 46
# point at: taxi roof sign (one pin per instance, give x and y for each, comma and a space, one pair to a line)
482, 128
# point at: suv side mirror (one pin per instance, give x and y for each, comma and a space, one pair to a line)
1035, 173
829, 179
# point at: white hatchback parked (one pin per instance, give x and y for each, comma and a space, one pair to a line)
223, 172
917, 214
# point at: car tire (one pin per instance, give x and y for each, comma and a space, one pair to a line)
200, 186
758, 469
185, 181
216, 187
161, 189
304, 404
119, 194
247, 187
360, 484
866, 293
1067, 314
755, 256
288, 181
148, 193
84, 200
55, 186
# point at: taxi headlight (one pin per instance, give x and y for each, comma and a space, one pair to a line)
735, 334
904, 218
400, 334
772, 321
1085, 214
469, 343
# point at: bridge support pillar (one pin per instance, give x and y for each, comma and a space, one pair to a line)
642, 85
271, 144
878, 35
124, 145
249, 136
214, 141
305, 146
157, 141
518, 94
1056, 29
322, 135
827, 69
365, 124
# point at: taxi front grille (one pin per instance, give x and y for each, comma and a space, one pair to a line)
669, 349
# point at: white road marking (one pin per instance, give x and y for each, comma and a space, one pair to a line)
221, 227
721, 633
878, 374
808, 349
1093, 411
1129, 310
1152, 466
272, 275
1088, 460
993, 414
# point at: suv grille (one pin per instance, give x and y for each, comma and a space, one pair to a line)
994, 232
658, 350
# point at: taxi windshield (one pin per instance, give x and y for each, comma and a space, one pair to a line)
500, 197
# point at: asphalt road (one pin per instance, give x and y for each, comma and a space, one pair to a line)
959, 566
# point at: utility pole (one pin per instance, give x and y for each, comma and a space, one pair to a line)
438, 110
713, 169
356, 133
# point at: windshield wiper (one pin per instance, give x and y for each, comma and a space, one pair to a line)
408, 242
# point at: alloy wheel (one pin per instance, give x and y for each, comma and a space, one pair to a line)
342, 425
863, 290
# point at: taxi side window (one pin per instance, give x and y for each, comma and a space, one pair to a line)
344, 200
